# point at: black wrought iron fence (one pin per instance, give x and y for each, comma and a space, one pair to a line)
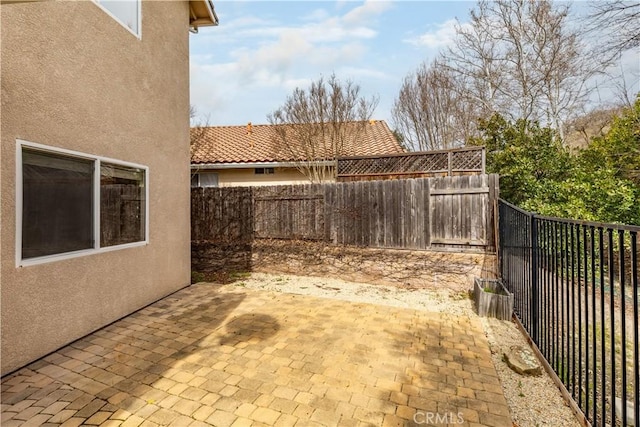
576, 293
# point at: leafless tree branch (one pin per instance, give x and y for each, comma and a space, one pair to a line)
316, 125
523, 60
197, 130
431, 111
620, 20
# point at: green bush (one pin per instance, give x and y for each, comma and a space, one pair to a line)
537, 173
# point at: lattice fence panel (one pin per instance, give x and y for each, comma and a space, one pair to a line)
466, 160
437, 162
428, 162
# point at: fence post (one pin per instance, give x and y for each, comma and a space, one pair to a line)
533, 243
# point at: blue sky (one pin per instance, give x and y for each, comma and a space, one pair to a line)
262, 50
246, 67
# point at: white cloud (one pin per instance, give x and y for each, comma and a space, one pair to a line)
318, 26
440, 36
260, 55
316, 15
329, 41
245, 21
360, 72
330, 57
362, 15
206, 92
329, 30
291, 84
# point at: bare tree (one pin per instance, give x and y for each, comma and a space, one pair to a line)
624, 85
596, 123
430, 110
564, 65
318, 124
521, 59
620, 20
476, 59
197, 132
198, 126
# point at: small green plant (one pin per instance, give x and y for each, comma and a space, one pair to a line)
490, 290
237, 275
196, 277
459, 296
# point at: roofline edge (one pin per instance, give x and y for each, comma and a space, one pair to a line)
251, 165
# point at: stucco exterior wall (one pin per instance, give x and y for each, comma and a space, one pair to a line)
248, 177
74, 78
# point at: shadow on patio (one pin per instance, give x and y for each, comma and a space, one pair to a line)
224, 355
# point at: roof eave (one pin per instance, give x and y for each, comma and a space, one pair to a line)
250, 165
202, 14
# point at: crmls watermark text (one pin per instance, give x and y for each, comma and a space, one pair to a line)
436, 418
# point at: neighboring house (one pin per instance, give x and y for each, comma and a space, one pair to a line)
226, 156
94, 194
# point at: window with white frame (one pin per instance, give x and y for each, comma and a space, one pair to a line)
122, 210
204, 179
71, 203
126, 12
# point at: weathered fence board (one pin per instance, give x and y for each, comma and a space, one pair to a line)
450, 212
459, 211
222, 214
289, 212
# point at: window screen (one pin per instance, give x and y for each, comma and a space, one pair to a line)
208, 179
122, 203
57, 203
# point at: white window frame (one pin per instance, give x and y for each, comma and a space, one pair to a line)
139, 24
217, 175
198, 176
20, 144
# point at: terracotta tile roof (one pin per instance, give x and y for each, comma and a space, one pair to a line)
235, 144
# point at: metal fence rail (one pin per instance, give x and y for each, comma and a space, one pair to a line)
576, 293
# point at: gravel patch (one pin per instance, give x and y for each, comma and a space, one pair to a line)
533, 401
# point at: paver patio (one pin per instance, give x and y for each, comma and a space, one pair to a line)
229, 356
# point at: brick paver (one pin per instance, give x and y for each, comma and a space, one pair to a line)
228, 356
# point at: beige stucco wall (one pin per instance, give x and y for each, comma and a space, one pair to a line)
72, 77
246, 177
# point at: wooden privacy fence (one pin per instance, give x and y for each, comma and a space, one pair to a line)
426, 213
